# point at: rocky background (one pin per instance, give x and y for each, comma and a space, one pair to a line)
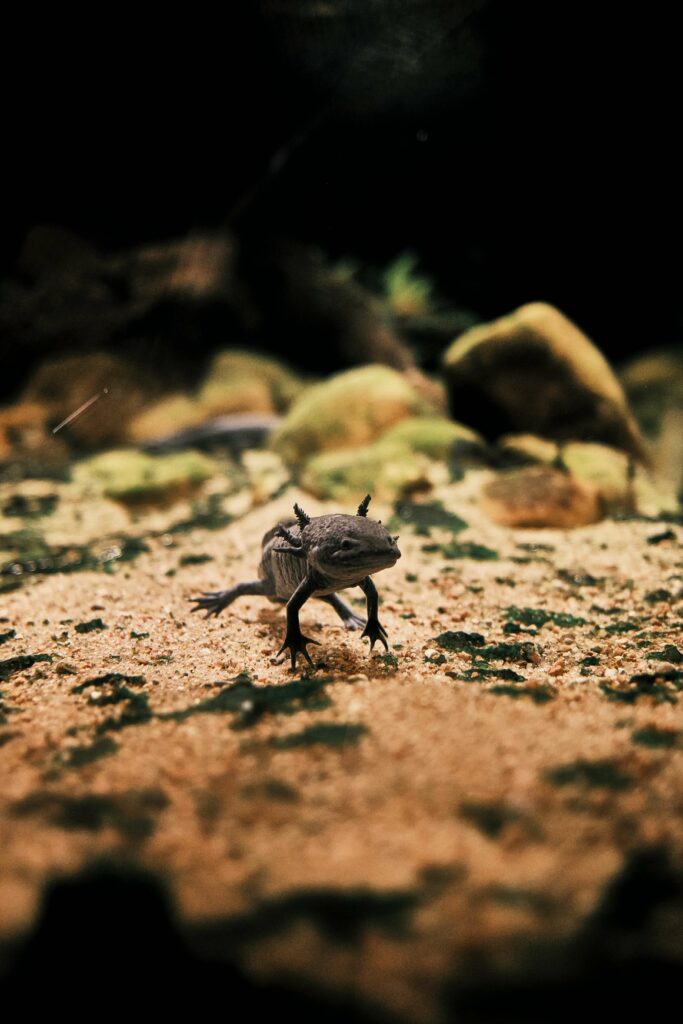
483, 822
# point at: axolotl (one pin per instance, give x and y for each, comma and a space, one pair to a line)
315, 557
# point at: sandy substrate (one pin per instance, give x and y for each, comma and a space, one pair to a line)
466, 822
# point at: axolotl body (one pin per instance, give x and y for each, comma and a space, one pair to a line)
316, 557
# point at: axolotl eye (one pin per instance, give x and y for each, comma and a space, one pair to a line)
346, 544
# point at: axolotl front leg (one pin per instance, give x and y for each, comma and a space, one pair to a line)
373, 629
295, 641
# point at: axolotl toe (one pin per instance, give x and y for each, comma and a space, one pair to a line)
315, 556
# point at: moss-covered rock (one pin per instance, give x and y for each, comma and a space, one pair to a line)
541, 496
654, 384
386, 469
134, 478
606, 469
432, 436
535, 372
349, 410
531, 447
244, 382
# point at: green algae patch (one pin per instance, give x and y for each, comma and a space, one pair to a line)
8, 635
475, 645
10, 585
21, 662
114, 688
604, 774
425, 516
651, 736
194, 560
37, 558
538, 694
136, 478
482, 672
130, 813
29, 506
670, 653
115, 678
656, 596
330, 734
92, 626
489, 818
660, 538
344, 915
467, 549
580, 579
457, 640
250, 703
78, 757
659, 685
539, 617
621, 627
207, 514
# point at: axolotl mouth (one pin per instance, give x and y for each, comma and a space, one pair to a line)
351, 565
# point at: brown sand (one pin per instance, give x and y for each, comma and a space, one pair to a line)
232, 822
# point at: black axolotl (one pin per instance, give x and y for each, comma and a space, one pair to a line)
321, 555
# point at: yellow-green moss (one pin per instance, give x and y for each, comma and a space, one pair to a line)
432, 436
348, 410
385, 469
135, 478
240, 381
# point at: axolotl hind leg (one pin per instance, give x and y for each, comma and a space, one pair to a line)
346, 614
214, 603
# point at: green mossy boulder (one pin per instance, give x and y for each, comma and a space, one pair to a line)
531, 447
347, 411
245, 382
134, 478
654, 384
432, 436
386, 469
606, 469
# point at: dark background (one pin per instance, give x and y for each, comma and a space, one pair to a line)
523, 150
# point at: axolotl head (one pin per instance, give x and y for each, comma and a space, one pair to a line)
347, 548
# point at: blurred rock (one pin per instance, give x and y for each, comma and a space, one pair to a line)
135, 478
25, 436
654, 384
540, 496
429, 435
608, 470
386, 469
326, 320
348, 410
61, 386
240, 381
535, 372
530, 447
168, 416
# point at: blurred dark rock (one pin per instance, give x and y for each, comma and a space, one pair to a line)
535, 372
60, 386
170, 306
